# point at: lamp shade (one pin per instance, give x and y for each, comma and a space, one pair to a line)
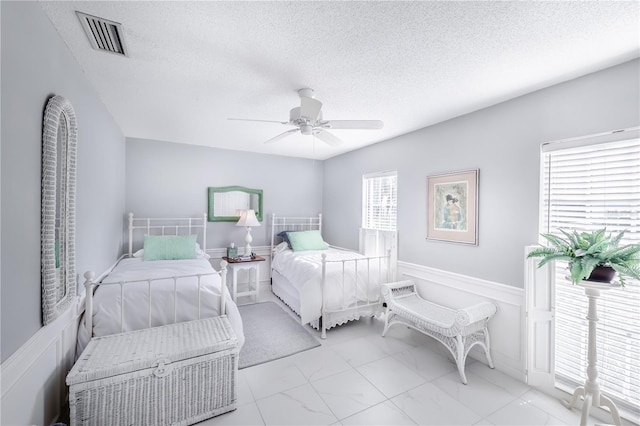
248, 218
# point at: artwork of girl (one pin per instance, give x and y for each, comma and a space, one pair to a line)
451, 214
450, 206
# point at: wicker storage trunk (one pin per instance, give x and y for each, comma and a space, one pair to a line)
176, 374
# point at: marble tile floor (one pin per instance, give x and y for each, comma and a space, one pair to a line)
357, 377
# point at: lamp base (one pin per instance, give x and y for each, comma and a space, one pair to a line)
247, 242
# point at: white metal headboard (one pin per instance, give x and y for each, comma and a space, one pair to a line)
284, 223
157, 226
169, 226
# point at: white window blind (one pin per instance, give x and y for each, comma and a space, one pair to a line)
379, 200
588, 186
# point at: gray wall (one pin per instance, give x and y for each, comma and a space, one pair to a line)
503, 141
36, 64
166, 179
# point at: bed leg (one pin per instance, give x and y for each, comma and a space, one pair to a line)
323, 323
223, 287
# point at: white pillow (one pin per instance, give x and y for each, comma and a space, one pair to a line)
199, 253
282, 247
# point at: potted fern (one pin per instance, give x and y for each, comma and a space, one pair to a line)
592, 256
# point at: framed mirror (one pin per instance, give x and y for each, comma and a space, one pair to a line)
59, 142
226, 201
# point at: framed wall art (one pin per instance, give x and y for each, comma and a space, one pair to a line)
452, 207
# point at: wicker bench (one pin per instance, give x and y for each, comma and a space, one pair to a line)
458, 330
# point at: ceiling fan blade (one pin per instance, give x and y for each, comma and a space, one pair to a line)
328, 138
310, 108
353, 124
281, 136
264, 121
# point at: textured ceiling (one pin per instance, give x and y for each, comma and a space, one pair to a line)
192, 65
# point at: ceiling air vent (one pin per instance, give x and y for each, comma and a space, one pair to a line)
103, 34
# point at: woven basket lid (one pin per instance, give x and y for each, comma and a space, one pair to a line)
123, 353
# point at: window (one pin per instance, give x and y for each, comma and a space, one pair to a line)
588, 184
379, 200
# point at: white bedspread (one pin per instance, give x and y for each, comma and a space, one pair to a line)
107, 297
304, 270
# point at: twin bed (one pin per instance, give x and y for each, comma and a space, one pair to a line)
140, 293
327, 286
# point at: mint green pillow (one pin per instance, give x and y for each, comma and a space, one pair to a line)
306, 240
169, 247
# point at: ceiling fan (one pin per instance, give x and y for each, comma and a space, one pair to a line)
307, 118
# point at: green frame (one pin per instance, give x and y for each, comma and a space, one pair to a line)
211, 191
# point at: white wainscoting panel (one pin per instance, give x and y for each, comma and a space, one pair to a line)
506, 328
33, 378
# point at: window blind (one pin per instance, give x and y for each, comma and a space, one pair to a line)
587, 187
379, 201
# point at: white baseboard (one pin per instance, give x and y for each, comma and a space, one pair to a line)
33, 378
506, 328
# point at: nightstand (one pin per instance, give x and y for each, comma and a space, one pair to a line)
236, 265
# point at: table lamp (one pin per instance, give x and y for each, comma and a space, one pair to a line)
248, 219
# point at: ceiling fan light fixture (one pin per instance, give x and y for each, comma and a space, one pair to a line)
306, 129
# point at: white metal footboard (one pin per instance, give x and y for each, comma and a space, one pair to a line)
385, 242
90, 285
351, 311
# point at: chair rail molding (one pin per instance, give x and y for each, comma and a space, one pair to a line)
457, 291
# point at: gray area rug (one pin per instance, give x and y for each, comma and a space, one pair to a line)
271, 333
